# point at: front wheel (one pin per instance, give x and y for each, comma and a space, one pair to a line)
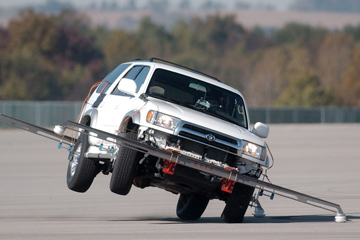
81, 171
125, 166
237, 204
191, 206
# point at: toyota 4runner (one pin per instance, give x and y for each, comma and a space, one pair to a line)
177, 109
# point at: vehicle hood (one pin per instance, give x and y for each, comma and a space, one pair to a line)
204, 120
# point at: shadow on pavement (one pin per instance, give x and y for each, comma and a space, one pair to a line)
247, 219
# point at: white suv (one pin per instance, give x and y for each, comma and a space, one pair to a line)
173, 108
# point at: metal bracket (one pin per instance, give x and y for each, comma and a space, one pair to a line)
227, 185
168, 167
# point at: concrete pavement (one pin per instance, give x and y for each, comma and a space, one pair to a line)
319, 160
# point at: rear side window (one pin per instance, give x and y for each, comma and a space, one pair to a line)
111, 77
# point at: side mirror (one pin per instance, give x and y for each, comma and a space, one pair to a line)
127, 86
261, 129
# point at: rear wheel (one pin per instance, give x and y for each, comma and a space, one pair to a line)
237, 204
81, 170
191, 206
125, 167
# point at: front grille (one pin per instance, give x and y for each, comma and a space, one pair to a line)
204, 141
197, 134
217, 135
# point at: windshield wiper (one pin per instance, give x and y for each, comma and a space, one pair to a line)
214, 114
228, 119
167, 99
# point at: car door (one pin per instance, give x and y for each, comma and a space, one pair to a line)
117, 104
98, 95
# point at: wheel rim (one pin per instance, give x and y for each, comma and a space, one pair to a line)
115, 154
75, 161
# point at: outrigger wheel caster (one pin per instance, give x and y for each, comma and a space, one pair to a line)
259, 211
340, 218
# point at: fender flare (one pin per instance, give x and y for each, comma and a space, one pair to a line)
130, 119
90, 118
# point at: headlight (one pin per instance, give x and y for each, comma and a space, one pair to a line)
162, 120
254, 150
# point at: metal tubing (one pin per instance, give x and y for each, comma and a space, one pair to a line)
229, 173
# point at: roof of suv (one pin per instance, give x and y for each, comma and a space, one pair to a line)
177, 65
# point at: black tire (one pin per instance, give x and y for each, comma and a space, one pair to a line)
237, 204
191, 206
125, 167
81, 171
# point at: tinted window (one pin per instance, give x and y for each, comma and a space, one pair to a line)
138, 74
140, 79
132, 74
111, 77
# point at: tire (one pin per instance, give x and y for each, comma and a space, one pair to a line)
237, 204
125, 167
81, 171
191, 206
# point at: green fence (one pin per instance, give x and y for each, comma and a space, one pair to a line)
40, 113
53, 113
305, 115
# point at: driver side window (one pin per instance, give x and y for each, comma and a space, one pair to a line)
138, 74
111, 77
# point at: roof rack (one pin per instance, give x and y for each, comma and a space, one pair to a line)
181, 66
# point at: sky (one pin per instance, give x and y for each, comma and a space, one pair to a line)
278, 4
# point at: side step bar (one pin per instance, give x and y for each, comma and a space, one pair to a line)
229, 175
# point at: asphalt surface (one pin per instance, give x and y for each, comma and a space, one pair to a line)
319, 160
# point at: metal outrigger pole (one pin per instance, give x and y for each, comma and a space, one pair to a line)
229, 175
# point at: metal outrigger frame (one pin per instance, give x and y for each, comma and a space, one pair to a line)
229, 175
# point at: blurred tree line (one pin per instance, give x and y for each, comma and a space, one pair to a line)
59, 57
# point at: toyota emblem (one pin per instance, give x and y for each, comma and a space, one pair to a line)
210, 137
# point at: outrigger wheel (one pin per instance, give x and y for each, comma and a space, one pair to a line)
340, 218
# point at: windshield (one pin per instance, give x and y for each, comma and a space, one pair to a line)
198, 95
